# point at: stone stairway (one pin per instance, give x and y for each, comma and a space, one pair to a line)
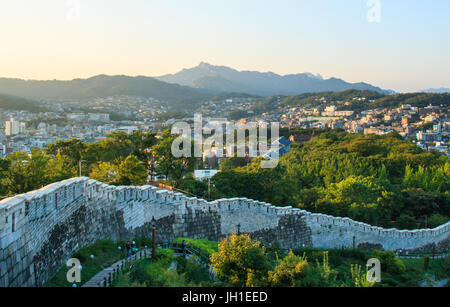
107, 276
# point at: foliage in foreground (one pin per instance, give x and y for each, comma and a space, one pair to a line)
166, 271
240, 261
105, 254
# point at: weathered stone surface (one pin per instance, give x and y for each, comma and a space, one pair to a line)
48, 229
291, 232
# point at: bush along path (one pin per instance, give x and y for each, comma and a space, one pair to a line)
192, 249
107, 276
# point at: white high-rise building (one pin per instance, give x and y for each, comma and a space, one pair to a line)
12, 127
22, 128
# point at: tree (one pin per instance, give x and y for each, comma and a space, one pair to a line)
194, 186
4, 166
119, 144
241, 261
172, 167
59, 168
16, 181
116, 145
73, 149
131, 172
105, 172
163, 153
437, 220
232, 163
368, 213
354, 190
434, 179
142, 142
290, 269
389, 263
406, 222
419, 203
26, 172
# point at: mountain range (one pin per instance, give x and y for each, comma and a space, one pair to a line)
101, 86
186, 88
224, 79
437, 90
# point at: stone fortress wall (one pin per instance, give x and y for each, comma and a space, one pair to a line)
40, 230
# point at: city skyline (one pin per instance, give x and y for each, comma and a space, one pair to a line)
403, 50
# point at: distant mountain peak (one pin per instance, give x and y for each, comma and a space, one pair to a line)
225, 79
316, 76
205, 65
437, 90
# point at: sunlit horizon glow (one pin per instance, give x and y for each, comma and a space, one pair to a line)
408, 50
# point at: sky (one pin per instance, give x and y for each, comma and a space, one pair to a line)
401, 45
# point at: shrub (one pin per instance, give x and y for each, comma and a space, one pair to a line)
389, 263
193, 269
445, 266
288, 271
240, 259
164, 255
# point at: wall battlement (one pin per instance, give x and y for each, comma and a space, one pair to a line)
39, 230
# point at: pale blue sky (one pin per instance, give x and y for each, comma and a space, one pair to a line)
409, 49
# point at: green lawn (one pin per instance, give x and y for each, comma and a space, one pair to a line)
105, 253
208, 246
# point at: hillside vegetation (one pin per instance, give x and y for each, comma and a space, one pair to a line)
380, 180
102, 86
16, 103
239, 261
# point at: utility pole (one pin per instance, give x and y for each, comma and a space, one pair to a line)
209, 188
153, 238
79, 167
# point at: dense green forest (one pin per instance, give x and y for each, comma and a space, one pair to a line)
380, 180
